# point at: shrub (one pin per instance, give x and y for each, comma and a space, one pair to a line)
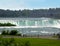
7, 24
58, 35
5, 32
13, 42
27, 43
13, 32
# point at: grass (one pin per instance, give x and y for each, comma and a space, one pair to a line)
37, 41
42, 42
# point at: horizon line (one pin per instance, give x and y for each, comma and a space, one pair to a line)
28, 8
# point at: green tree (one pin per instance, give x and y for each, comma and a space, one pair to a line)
13, 32
58, 35
5, 32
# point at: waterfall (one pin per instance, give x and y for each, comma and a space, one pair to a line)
35, 26
38, 22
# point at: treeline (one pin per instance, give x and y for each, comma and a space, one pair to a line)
7, 24
35, 13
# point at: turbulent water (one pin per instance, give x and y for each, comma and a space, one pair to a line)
33, 26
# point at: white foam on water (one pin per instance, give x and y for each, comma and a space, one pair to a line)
46, 32
46, 22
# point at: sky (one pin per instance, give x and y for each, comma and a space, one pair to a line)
29, 4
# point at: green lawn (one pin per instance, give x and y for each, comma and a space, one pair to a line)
37, 41
41, 42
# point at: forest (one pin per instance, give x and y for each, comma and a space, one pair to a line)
35, 13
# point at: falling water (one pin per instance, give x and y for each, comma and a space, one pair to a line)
34, 25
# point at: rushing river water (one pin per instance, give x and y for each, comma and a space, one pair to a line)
33, 26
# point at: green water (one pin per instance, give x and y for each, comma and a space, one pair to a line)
50, 22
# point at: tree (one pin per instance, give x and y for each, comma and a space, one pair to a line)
13, 32
58, 35
6, 24
5, 32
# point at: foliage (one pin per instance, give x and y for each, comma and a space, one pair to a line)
29, 41
5, 32
6, 24
35, 13
12, 42
12, 32
58, 35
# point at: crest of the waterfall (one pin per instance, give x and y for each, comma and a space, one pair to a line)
49, 22
38, 22
33, 22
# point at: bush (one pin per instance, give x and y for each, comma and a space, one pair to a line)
7, 24
13, 32
27, 43
13, 42
7, 42
5, 32
58, 35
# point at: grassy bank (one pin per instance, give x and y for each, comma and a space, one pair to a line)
34, 41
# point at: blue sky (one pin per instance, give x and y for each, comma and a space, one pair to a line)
28, 4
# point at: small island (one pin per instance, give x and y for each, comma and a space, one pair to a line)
7, 24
